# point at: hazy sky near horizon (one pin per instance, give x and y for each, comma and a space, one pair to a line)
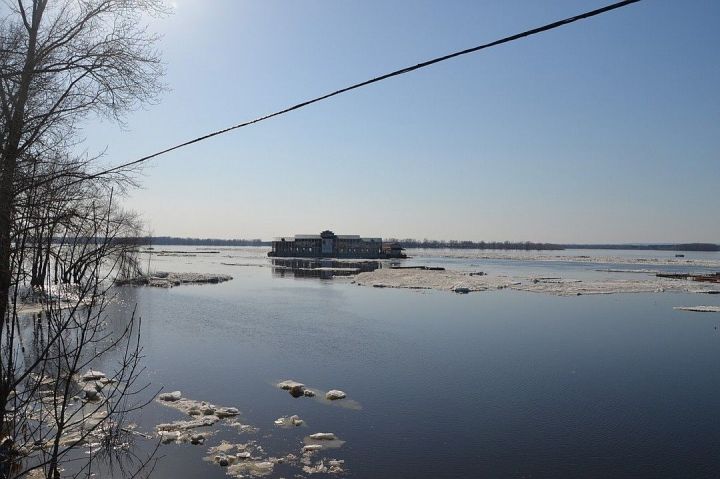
607, 130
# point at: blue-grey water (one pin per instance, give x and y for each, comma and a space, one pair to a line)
493, 384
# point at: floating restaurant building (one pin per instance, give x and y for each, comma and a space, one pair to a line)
329, 245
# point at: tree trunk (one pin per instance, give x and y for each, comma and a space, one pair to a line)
9, 156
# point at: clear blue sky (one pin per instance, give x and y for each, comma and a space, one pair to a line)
607, 130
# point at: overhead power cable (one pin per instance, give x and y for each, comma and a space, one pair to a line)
402, 71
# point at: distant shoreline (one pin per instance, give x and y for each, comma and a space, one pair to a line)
429, 244
687, 247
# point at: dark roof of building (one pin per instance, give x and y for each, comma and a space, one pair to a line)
326, 234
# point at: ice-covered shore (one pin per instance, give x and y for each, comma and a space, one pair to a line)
168, 280
566, 258
463, 282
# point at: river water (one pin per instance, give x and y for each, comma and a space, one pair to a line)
490, 384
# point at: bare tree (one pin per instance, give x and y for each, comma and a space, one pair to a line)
60, 62
63, 236
52, 407
55, 407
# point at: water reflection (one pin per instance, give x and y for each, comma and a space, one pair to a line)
319, 267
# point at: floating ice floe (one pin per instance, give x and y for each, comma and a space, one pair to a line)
168, 280
450, 280
445, 280
248, 459
295, 389
333, 466
242, 460
326, 440
335, 394
323, 466
203, 413
699, 309
194, 407
565, 258
289, 421
243, 428
173, 396
92, 375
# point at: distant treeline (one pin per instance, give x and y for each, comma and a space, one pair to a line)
425, 243
171, 240
655, 247
526, 245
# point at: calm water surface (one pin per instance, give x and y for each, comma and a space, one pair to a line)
492, 384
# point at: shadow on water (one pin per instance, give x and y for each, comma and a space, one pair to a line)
319, 267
